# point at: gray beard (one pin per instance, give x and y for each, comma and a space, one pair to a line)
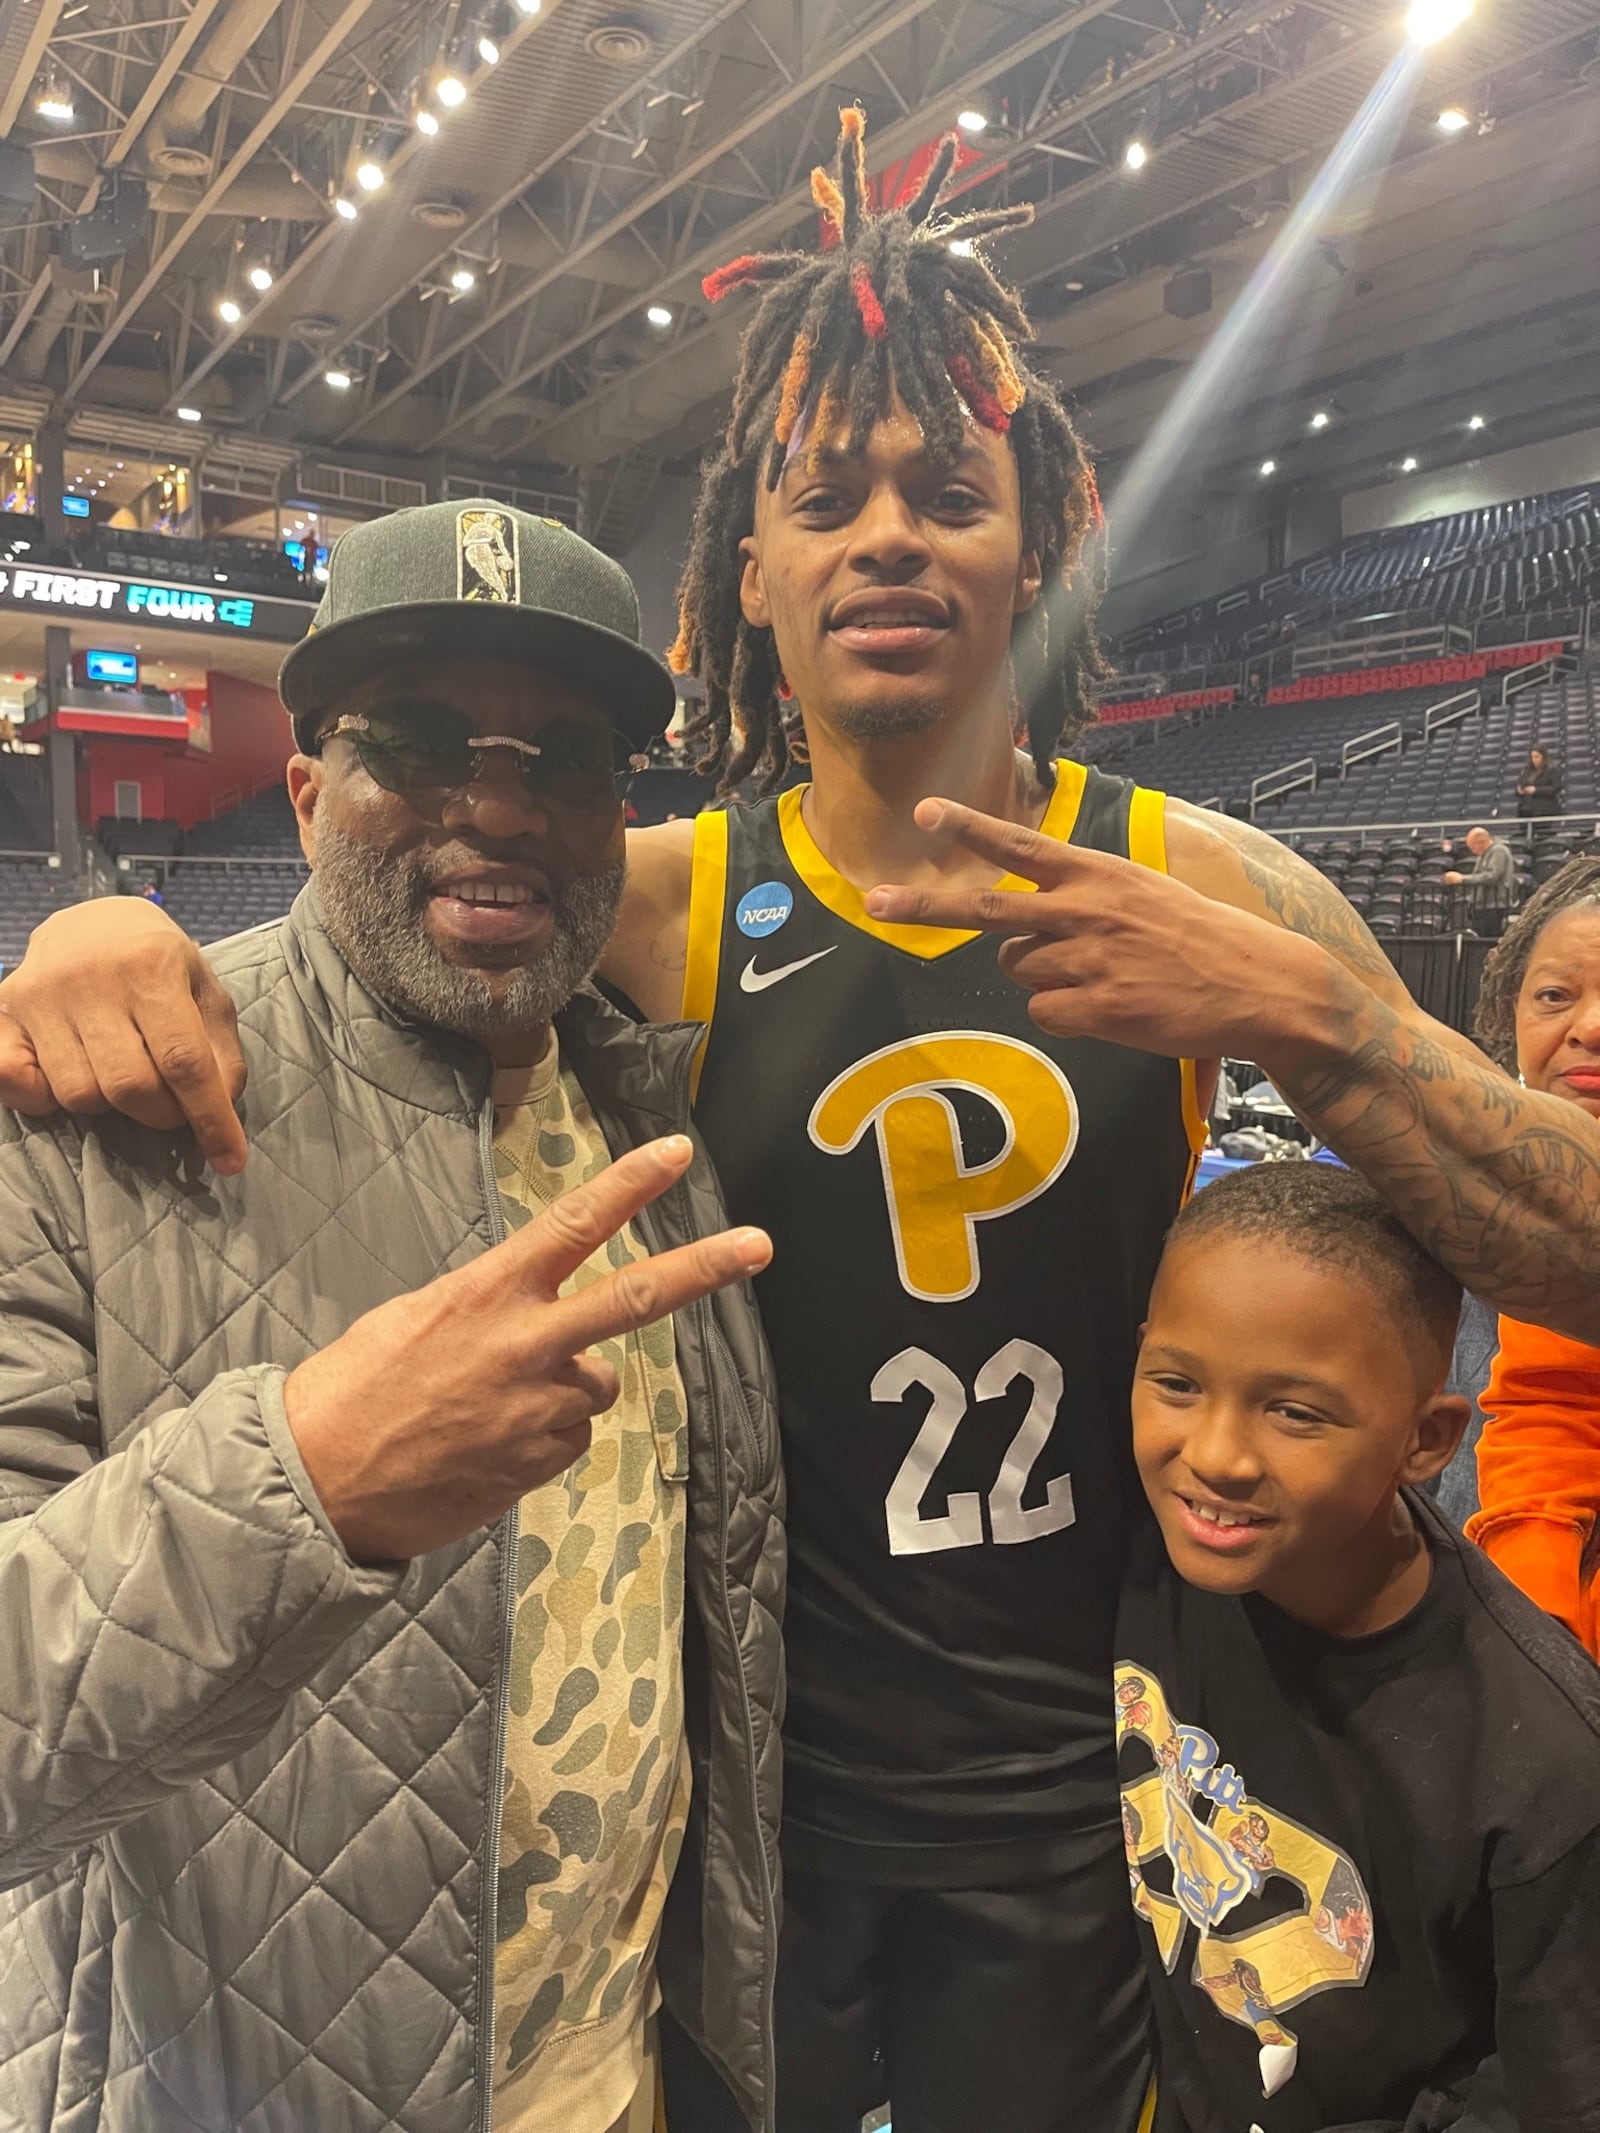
374, 904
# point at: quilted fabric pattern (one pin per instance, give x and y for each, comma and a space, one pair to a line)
245, 1809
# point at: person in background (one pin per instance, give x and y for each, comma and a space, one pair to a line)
1491, 885
1539, 787
1360, 1773
1539, 1454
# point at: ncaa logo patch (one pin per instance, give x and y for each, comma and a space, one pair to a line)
764, 909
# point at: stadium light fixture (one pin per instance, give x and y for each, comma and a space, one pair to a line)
1321, 419
190, 414
1136, 155
1427, 21
660, 316
340, 380
529, 7
1452, 119
972, 121
463, 280
229, 312
346, 210
369, 175
1268, 466
451, 91
54, 102
427, 121
260, 279
1408, 465
1475, 422
488, 50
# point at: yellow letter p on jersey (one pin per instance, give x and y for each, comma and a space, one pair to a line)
935, 1200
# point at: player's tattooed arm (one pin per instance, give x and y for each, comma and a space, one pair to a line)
1238, 864
1500, 1183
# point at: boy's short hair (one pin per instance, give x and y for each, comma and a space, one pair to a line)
1333, 1218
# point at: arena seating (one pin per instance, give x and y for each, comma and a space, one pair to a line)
213, 900
1219, 758
263, 828
1538, 555
30, 889
1468, 771
24, 804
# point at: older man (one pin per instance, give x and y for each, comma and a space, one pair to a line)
366, 1515
1491, 885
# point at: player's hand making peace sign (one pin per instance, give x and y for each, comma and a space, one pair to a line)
1113, 950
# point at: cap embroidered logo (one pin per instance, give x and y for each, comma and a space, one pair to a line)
488, 566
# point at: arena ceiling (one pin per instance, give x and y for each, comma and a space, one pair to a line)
492, 298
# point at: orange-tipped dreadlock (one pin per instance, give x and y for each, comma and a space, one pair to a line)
891, 311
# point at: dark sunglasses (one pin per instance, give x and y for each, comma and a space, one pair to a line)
429, 752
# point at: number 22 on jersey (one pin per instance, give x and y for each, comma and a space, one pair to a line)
935, 1202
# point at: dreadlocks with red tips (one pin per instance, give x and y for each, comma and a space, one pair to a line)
889, 309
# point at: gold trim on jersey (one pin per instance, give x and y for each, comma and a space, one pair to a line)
1147, 2117
1147, 847
846, 901
708, 895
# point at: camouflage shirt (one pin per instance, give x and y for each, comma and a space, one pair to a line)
597, 1769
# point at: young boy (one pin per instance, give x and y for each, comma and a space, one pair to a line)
1360, 1772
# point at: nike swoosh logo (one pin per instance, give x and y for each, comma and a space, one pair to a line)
753, 980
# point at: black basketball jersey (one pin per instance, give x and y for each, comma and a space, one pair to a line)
966, 1217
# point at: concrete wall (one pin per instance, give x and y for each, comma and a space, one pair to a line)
1559, 463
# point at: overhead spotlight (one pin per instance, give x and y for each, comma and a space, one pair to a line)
54, 102
695, 103
229, 312
659, 315
1321, 419
1429, 20
260, 279
529, 7
1074, 288
452, 90
190, 414
962, 247
427, 122
1136, 155
1452, 120
1269, 466
1408, 465
462, 280
346, 210
1474, 422
369, 175
488, 50
973, 122
340, 380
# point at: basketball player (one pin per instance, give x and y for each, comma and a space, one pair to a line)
967, 1209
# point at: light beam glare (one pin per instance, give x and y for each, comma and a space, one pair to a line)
1217, 381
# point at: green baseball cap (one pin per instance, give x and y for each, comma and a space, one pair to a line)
484, 580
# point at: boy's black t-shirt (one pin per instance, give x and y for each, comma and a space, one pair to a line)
1363, 1865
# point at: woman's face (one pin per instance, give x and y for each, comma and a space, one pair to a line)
1536, 759
1558, 1010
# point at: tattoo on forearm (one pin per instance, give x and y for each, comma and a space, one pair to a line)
1501, 1184
1302, 902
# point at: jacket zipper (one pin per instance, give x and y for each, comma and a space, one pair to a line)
488, 1911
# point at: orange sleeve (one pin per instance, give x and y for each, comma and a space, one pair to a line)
1539, 1471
